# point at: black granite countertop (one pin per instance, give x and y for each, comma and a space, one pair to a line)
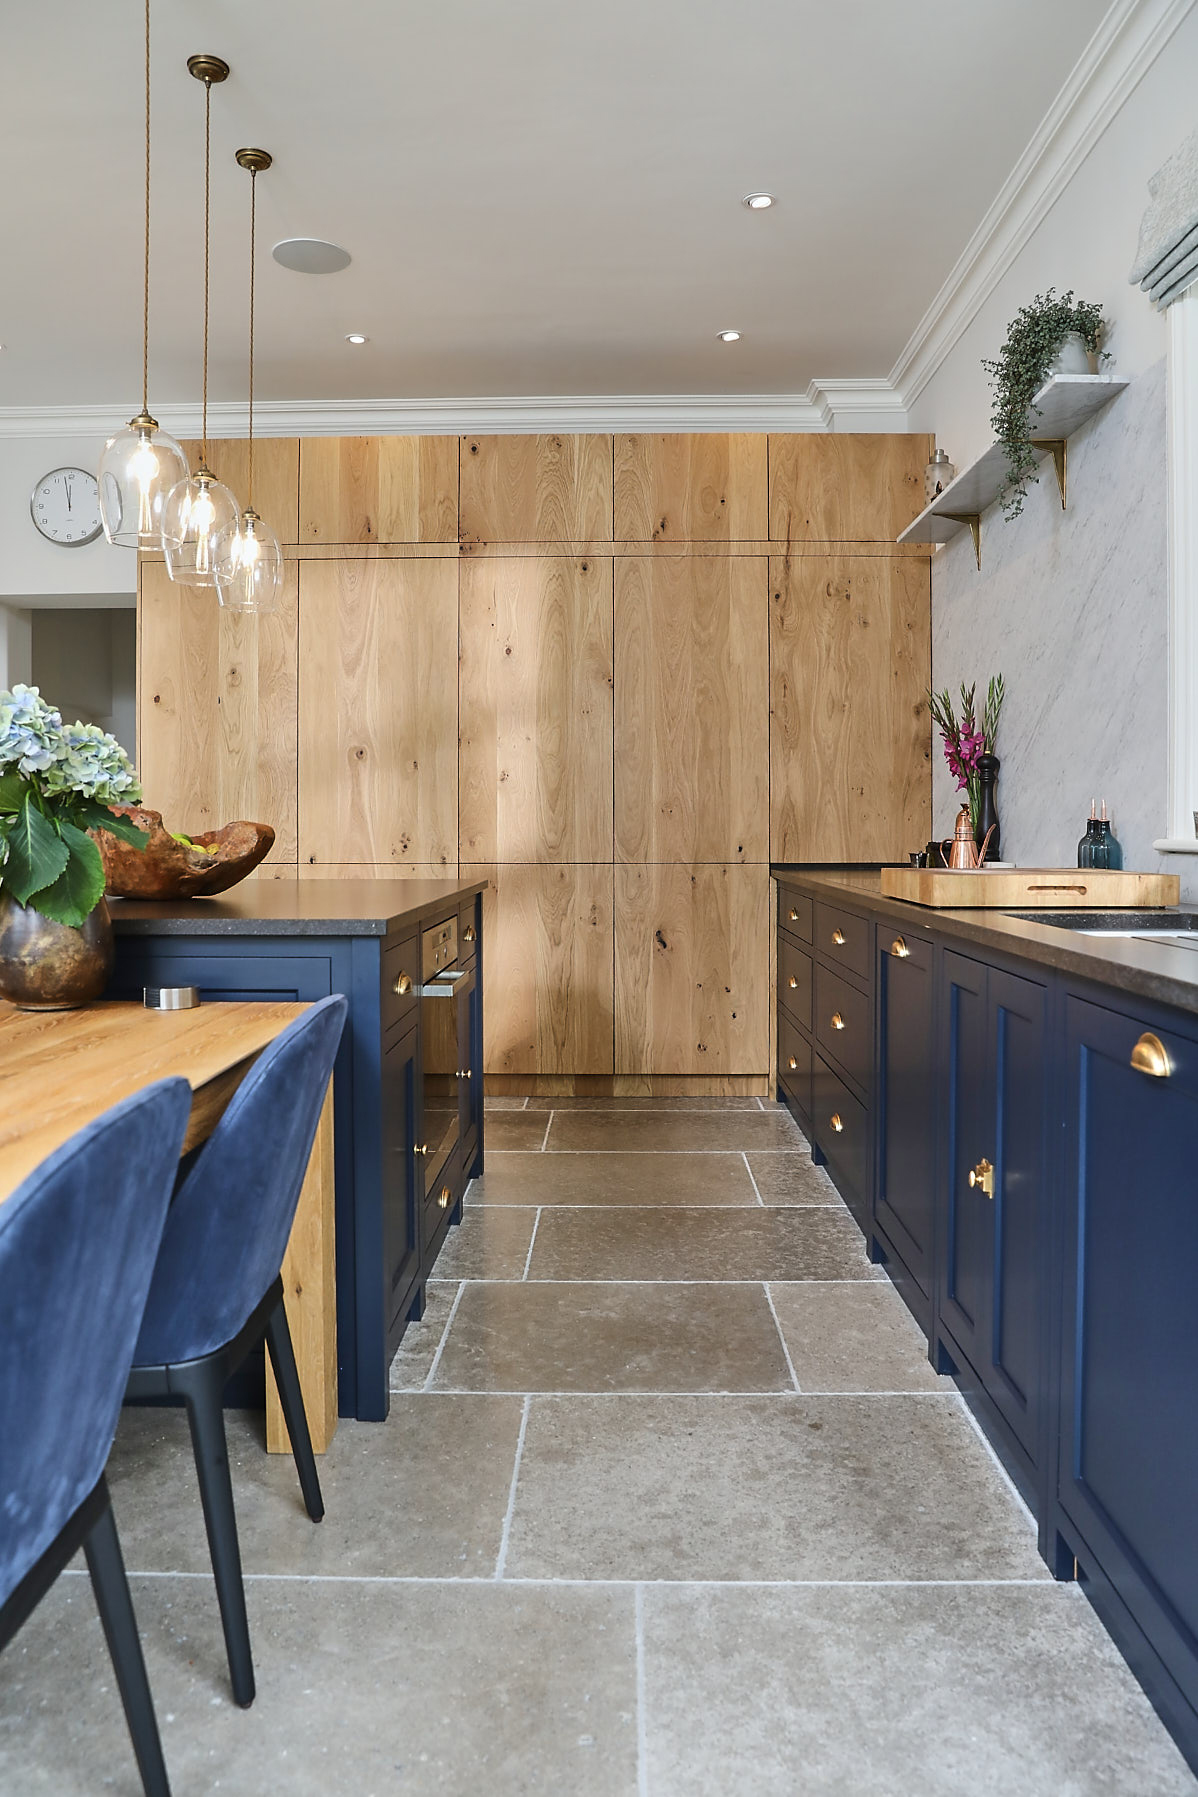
295, 908
1163, 972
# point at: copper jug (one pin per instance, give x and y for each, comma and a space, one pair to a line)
964, 855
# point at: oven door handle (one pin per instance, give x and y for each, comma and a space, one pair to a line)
449, 984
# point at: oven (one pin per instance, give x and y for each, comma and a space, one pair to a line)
448, 1004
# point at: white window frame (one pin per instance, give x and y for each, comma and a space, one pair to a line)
1182, 837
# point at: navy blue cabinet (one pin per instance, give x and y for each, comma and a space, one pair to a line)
995, 1213
1127, 1481
907, 1105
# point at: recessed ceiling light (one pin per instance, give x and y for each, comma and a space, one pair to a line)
311, 256
758, 202
728, 336
356, 337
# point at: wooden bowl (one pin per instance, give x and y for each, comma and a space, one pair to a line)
166, 869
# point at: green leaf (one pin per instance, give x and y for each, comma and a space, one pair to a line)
80, 886
13, 788
36, 853
91, 815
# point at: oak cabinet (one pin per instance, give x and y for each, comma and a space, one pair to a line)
708, 487
845, 488
535, 758
691, 946
692, 702
378, 712
217, 709
546, 489
378, 490
276, 477
850, 743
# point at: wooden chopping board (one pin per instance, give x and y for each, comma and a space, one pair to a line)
1031, 888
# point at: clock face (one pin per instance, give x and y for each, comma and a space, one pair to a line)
66, 507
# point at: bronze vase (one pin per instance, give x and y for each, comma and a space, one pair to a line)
48, 966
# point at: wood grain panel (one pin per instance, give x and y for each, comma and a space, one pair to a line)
217, 707
845, 488
850, 733
692, 710
378, 490
276, 477
547, 969
535, 489
692, 961
535, 759
369, 870
378, 712
706, 487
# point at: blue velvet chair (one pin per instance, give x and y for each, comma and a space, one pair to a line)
217, 1293
78, 1242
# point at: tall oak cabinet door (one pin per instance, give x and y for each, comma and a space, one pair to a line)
378, 490
217, 709
547, 489
850, 737
535, 760
833, 487
379, 712
708, 487
276, 477
692, 709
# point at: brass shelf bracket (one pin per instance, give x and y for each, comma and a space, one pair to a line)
1058, 449
974, 521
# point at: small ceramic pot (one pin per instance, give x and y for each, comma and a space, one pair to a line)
48, 966
1072, 358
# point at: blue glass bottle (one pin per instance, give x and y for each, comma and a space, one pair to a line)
1087, 848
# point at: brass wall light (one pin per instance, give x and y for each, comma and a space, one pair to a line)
248, 559
141, 463
198, 508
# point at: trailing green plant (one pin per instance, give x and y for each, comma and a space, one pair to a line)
1034, 336
56, 784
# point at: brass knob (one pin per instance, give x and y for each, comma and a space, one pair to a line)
403, 984
468, 933
444, 1197
981, 1177
836, 1123
420, 1148
837, 1021
792, 1063
838, 938
792, 982
899, 949
1150, 1056
794, 916
465, 1073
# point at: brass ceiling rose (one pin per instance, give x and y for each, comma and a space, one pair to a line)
255, 160
208, 68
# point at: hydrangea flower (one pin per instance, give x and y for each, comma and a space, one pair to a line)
30, 731
88, 761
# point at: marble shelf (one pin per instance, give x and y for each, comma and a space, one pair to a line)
1063, 404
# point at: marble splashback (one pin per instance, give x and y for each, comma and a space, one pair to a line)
1071, 607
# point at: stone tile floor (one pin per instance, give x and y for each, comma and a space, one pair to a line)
669, 1504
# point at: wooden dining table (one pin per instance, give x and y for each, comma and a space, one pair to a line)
61, 1069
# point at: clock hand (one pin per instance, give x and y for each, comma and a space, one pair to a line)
67, 484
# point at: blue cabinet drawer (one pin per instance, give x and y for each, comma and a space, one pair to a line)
843, 939
794, 981
794, 1063
794, 913
840, 1125
844, 1025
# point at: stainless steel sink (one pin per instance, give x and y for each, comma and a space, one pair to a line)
1179, 929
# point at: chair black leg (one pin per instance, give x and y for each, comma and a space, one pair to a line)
291, 1399
111, 1588
202, 1391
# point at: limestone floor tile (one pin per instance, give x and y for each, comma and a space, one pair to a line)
422, 1494
504, 1104
515, 1129
789, 1179
613, 1179
487, 1244
418, 1349
608, 1338
854, 1338
762, 1488
364, 1690
722, 1244
907, 1692
667, 1106
664, 1132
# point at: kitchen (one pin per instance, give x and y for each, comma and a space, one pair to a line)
596, 719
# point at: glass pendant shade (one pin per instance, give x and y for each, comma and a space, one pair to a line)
197, 510
249, 565
138, 469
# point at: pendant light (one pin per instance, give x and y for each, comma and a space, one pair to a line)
141, 463
248, 559
198, 508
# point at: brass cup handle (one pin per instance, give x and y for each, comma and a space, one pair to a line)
792, 1063
444, 1197
403, 985
1150, 1056
981, 1177
838, 938
836, 1122
899, 949
468, 933
837, 1021
794, 916
792, 983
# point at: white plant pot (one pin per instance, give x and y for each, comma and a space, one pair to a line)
1072, 358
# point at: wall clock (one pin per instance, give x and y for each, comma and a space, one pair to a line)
66, 507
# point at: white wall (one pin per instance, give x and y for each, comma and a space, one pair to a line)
15, 647
1073, 608
29, 565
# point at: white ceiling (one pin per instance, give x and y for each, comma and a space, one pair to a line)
540, 197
